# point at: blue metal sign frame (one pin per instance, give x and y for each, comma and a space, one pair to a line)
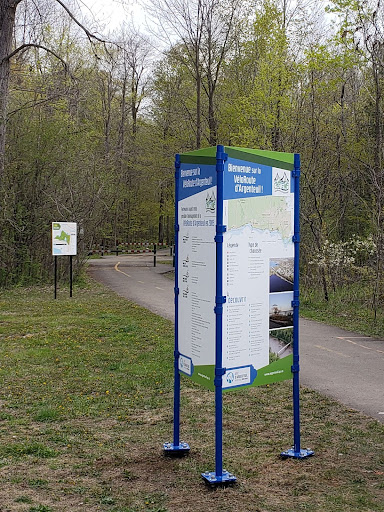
296, 451
178, 448
219, 476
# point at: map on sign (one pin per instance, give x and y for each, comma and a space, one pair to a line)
267, 213
64, 238
258, 256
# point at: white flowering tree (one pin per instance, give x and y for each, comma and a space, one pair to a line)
343, 262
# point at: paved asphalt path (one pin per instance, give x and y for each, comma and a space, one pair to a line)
343, 365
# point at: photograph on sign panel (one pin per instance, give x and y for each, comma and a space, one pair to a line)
280, 275
280, 310
280, 343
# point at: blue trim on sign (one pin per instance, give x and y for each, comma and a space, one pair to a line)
194, 178
246, 179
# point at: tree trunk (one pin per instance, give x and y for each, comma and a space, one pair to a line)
378, 179
198, 105
211, 118
161, 217
7, 24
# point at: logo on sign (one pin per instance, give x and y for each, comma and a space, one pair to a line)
210, 203
185, 365
230, 377
281, 182
237, 377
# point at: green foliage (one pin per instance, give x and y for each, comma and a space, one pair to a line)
47, 414
41, 508
258, 103
349, 306
34, 449
97, 146
285, 335
23, 499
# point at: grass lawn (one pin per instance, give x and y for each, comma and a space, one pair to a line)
86, 403
349, 307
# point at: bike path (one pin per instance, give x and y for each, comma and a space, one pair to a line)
343, 365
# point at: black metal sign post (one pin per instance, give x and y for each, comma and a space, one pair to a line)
55, 277
70, 276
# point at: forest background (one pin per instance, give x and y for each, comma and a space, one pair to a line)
90, 121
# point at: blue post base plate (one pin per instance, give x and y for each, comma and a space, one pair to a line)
212, 479
302, 454
171, 450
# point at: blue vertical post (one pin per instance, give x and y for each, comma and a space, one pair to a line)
219, 370
296, 452
219, 476
177, 448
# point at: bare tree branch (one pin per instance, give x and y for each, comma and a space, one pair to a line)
85, 30
33, 104
34, 45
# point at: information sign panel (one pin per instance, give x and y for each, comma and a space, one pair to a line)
197, 271
257, 270
64, 238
